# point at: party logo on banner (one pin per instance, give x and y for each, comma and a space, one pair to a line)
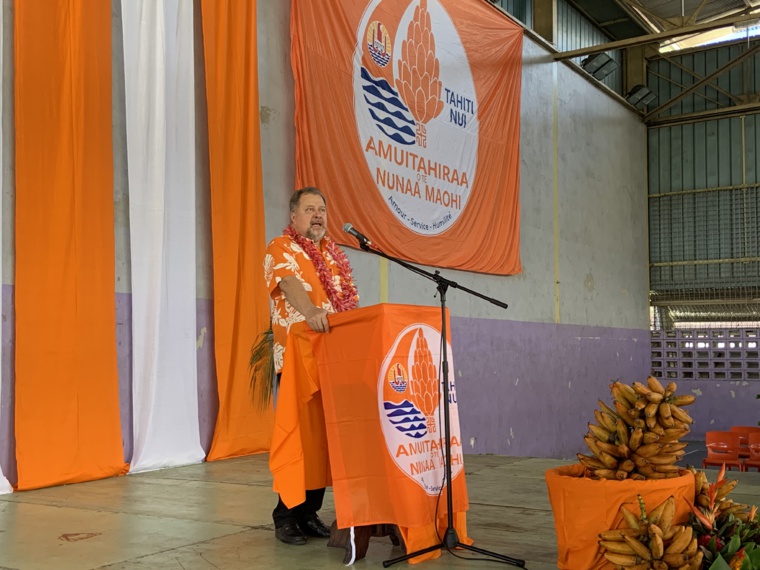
411, 409
416, 112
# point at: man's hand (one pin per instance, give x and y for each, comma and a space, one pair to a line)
297, 296
317, 320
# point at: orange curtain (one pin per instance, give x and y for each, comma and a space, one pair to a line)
241, 307
67, 403
408, 116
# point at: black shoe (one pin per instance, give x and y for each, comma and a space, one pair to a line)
290, 534
313, 526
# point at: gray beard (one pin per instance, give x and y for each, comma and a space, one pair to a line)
315, 236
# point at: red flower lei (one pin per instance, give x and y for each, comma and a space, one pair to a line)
345, 299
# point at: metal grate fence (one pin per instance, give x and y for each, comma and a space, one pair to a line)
706, 354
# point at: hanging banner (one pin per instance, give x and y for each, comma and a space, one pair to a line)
408, 117
66, 377
160, 105
241, 308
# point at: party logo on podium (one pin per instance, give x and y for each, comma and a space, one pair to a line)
416, 111
411, 408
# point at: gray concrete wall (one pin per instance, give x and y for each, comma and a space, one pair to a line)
603, 208
529, 378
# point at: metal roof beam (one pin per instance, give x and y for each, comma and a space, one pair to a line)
703, 82
682, 86
637, 6
725, 112
613, 22
652, 38
694, 74
693, 18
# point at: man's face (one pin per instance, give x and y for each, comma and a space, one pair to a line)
310, 218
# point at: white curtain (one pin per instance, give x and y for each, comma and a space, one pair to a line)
158, 63
4, 485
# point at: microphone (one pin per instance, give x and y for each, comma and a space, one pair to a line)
363, 240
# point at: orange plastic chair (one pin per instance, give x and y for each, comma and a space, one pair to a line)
743, 432
754, 452
722, 448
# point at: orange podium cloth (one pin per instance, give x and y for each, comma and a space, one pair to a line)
585, 507
359, 408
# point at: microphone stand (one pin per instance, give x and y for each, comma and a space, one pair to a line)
450, 538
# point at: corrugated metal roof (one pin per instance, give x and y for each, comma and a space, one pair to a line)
675, 8
610, 17
620, 21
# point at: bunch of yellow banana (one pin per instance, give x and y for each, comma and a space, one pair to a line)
721, 506
639, 437
651, 542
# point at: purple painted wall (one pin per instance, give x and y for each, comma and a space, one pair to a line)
720, 405
7, 427
529, 389
208, 395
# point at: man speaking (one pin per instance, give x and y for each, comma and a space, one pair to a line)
307, 276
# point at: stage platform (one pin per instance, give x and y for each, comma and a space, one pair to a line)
218, 516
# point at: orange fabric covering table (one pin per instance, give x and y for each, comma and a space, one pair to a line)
359, 408
584, 507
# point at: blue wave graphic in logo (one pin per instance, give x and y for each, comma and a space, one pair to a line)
381, 58
388, 122
406, 418
397, 114
390, 114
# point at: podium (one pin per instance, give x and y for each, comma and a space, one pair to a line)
360, 409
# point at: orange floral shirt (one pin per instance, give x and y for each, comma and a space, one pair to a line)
284, 258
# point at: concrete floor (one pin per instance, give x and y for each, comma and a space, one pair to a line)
218, 516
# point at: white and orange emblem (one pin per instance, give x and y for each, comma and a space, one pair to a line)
417, 118
410, 417
379, 43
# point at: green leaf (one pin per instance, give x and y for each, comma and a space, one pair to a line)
723, 530
754, 555
261, 365
720, 564
732, 547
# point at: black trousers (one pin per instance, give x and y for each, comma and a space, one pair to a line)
282, 515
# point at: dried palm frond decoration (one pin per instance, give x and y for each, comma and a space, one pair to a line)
261, 365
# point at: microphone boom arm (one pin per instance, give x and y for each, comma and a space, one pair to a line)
436, 276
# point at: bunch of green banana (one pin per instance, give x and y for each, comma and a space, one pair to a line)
651, 542
639, 437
